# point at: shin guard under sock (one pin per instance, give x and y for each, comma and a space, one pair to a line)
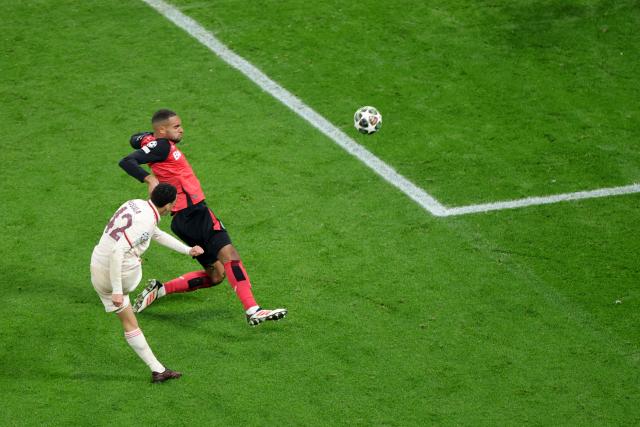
188, 282
139, 344
239, 281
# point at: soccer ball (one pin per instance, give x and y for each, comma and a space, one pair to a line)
367, 120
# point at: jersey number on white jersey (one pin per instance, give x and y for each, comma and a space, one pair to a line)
116, 233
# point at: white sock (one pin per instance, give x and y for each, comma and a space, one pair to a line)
161, 291
139, 344
252, 310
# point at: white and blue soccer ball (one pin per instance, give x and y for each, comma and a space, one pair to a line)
367, 120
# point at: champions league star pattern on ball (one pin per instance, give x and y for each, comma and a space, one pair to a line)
367, 120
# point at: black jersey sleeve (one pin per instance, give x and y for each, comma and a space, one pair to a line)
136, 139
155, 151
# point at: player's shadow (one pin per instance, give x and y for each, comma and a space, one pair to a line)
185, 318
189, 315
189, 309
225, 323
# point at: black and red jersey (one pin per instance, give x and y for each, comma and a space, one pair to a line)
168, 164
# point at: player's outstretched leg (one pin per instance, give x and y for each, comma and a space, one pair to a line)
186, 283
240, 283
136, 340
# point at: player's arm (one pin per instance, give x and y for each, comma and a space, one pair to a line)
171, 242
137, 138
115, 270
155, 151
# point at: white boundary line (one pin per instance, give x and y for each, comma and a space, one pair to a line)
417, 194
532, 201
258, 77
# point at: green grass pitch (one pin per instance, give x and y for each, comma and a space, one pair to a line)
397, 318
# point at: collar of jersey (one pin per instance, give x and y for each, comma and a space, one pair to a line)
155, 211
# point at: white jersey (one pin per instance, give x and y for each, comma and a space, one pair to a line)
126, 237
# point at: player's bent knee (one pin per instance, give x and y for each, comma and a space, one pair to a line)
228, 253
216, 276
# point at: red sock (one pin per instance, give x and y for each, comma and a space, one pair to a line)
239, 281
188, 282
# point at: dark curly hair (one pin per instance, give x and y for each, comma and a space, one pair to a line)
163, 193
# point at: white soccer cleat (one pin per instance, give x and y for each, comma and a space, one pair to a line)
147, 296
262, 314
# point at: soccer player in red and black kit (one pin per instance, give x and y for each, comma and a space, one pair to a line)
193, 221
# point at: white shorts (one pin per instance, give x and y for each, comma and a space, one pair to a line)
102, 284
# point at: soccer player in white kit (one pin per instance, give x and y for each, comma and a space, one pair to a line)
116, 264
